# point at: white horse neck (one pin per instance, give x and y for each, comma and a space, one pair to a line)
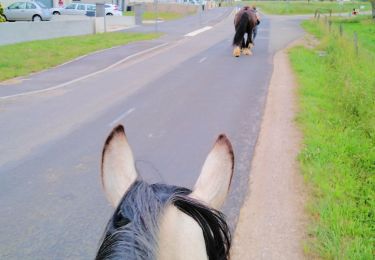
180, 237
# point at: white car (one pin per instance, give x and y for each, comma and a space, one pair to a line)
73, 9
111, 9
195, 2
82, 9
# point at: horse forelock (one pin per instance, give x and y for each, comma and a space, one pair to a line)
132, 232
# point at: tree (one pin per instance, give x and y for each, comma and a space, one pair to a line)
373, 8
2, 18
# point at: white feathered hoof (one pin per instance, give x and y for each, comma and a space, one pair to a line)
247, 51
237, 51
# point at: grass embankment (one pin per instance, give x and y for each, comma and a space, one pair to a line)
363, 25
302, 7
24, 58
337, 104
166, 16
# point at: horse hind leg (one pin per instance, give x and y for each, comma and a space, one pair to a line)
248, 45
238, 49
243, 43
247, 51
238, 41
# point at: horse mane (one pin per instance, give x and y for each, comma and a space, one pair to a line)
128, 234
131, 233
215, 229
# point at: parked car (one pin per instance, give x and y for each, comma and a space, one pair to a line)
73, 9
27, 11
195, 2
82, 9
111, 9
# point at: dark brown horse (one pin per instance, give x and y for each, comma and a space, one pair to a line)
244, 23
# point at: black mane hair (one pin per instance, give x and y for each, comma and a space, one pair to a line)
215, 229
131, 233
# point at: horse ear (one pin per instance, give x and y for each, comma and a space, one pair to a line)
214, 181
118, 170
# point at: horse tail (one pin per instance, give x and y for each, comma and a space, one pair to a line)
241, 29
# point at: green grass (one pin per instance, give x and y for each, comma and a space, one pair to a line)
302, 7
24, 58
167, 16
363, 26
337, 104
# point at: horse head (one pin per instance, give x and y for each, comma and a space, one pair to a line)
160, 221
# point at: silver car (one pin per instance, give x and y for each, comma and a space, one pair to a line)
27, 11
82, 9
74, 9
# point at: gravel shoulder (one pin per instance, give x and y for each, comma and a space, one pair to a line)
272, 221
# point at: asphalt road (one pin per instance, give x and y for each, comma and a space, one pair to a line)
173, 100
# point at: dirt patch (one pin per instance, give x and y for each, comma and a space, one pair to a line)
309, 41
11, 81
272, 221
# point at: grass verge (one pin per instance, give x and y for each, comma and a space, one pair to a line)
24, 58
302, 7
364, 26
337, 104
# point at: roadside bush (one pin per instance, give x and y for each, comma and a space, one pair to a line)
2, 18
